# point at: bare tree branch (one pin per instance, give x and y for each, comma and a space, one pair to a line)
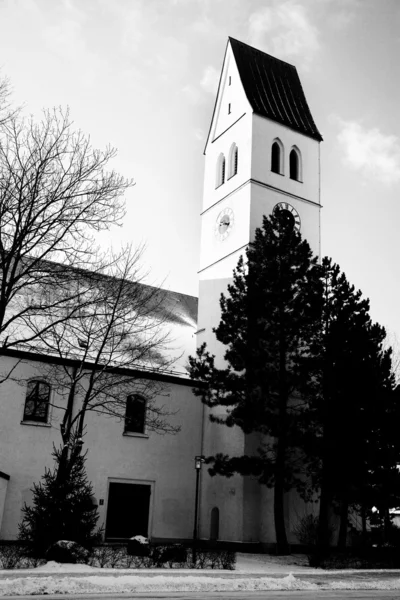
55, 192
116, 333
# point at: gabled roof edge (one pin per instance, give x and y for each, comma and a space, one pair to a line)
216, 97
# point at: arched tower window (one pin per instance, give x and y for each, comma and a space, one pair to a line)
277, 157
220, 178
233, 160
295, 164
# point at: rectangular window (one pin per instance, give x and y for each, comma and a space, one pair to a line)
37, 401
229, 108
135, 415
230, 80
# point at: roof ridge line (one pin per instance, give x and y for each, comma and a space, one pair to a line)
230, 38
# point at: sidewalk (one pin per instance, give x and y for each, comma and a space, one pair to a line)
253, 572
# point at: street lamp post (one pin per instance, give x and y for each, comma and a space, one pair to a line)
198, 461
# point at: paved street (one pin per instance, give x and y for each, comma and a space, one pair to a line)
268, 595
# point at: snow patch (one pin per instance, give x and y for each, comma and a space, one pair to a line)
51, 565
133, 584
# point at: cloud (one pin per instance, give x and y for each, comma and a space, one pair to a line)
343, 12
209, 81
192, 93
208, 85
374, 154
285, 30
199, 134
342, 19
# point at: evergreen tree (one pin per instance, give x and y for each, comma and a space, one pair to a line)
268, 322
62, 504
351, 380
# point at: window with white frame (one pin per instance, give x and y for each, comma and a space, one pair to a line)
37, 401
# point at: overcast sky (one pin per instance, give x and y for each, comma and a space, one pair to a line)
141, 75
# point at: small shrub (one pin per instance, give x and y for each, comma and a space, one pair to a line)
173, 555
12, 556
110, 557
117, 557
138, 546
215, 559
32, 562
66, 551
227, 560
99, 556
137, 562
306, 530
162, 555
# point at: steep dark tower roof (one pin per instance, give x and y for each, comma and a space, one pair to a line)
273, 89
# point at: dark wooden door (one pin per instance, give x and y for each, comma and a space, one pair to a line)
128, 510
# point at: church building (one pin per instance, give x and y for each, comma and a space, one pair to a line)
262, 151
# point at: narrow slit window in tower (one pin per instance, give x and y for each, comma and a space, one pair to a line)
294, 165
276, 158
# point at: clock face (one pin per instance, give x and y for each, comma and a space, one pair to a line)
224, 223
290, 212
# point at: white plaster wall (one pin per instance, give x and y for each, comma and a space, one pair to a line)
213, 248
3, 492
230, 92
269, 188
240, 134
166, 461
264, 133
264, 199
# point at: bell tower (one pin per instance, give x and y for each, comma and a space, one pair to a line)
262, 151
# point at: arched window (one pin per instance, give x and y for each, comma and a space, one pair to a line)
277, 157
295, 164
233, 160
37, 401
220, 179
135, 415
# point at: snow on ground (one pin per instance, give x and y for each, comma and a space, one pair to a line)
51, 565
264, 563
95, 584
136, 583
270, 573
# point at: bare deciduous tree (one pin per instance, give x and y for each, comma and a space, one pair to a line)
112, 344
55, 192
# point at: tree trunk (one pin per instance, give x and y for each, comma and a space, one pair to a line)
364, 524
324, 502
282, 546
344, 510
387, 524
323, 522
